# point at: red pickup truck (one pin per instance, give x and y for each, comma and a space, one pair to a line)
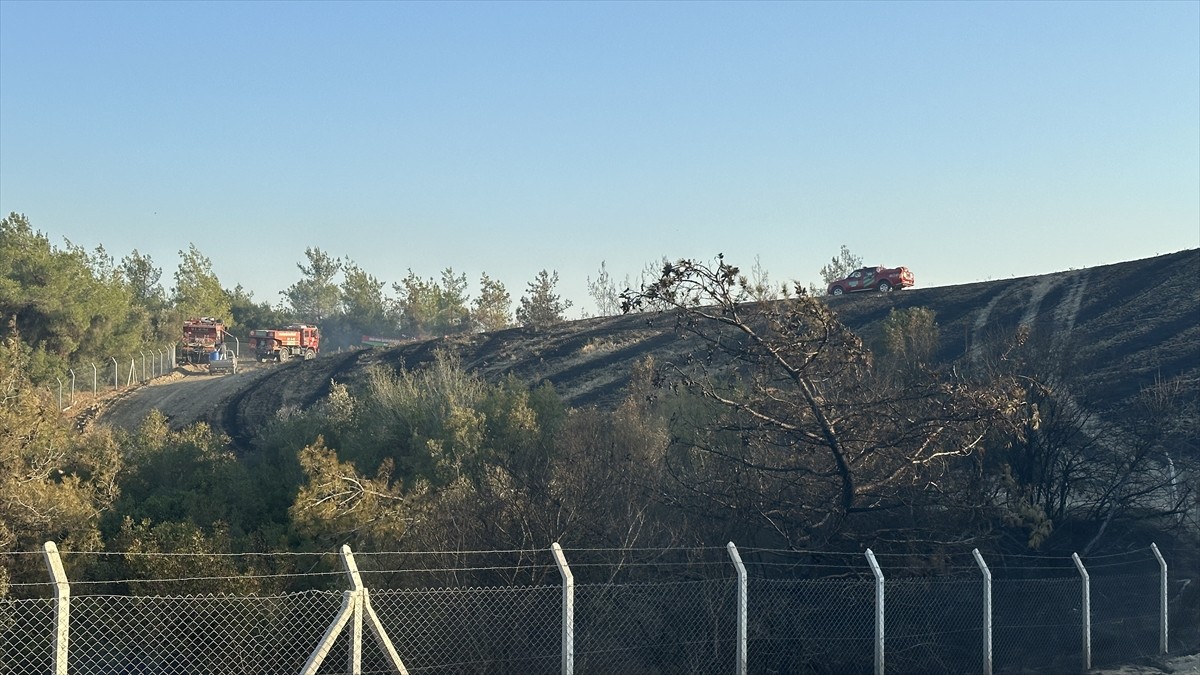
882, 279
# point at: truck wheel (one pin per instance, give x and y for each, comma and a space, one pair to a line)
309, 354
837, 290
284, 355
884, 287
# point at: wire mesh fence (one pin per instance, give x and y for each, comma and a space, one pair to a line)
596, 611
1037, 625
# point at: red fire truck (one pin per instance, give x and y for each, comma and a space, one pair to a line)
201, 336
281, 344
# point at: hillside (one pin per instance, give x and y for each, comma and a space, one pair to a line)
1114, 329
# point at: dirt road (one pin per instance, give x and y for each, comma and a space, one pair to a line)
185, 396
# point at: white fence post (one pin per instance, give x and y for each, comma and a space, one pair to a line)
742, 606
356, 604
62, 609
879, 614
354, 654
1086, 612
339, 622
568, 610
1162, 600
987, 611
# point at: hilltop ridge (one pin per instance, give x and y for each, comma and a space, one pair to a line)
1115, 329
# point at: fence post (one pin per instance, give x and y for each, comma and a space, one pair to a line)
879, 614
356, 604
62, 609
568, 610
1086, 612
742, 605
1162, 600
116, 376
354, 657
987, 611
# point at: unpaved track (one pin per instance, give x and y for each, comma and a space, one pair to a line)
186, 396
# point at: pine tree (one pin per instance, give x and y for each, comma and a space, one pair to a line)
540, 307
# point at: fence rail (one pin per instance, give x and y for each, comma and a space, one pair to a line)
604, 611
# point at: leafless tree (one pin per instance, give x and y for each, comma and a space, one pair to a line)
802, 430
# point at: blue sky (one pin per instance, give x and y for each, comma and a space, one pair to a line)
968, 141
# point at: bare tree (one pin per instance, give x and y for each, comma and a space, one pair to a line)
604, 291
804, 433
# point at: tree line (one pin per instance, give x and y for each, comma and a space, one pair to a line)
72, 305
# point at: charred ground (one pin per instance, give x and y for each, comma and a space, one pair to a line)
1113, 330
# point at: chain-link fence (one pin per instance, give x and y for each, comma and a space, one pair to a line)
599, 611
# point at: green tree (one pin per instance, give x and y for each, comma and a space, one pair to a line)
315, 298
197, 290
453, 315
144, 280
51, 486
431, 307
840, 265
364, 308
66, 304
247, 315
492, 309
336, 502
417, 303
541, 307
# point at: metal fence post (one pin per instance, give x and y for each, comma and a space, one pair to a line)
356, 605
987, 611
116, 381
568, 610
339, 622
879, 614
62, 609
1086, 612
1162, 600
742, 605
354, 657
364, 612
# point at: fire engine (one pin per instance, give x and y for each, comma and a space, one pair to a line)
280, 344
201, 336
